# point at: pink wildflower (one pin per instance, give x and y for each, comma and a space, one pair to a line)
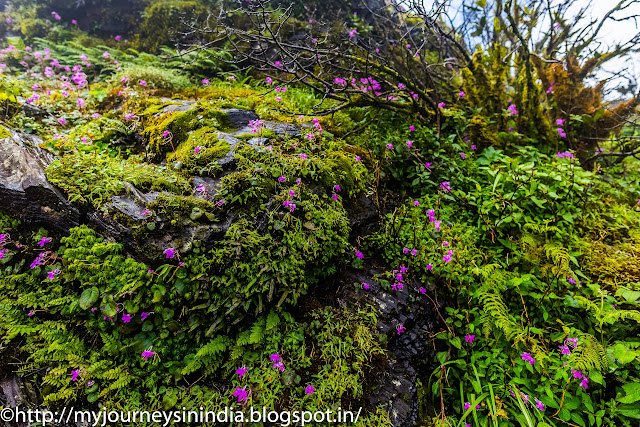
241, 394
148, 353
241, 371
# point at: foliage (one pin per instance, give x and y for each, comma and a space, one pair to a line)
128, 308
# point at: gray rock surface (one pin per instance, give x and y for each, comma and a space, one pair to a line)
25, 192
396, 389
240, 119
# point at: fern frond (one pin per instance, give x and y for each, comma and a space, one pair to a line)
589, 354
497, 313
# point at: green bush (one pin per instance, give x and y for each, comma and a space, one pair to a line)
156, 77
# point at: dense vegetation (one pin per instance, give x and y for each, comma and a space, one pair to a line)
496, 190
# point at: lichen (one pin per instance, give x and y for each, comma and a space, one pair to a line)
4, 133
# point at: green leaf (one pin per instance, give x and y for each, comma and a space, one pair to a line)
572, 403
456, 342
158, 293
167, 313
596, 377
631, 411
624, 353
110, 309
89, 297
628, 294
632, 391
578, 419
170, 399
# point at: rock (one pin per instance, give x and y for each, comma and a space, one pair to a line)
363, 215
258, 141
25, 192
409, 353
228, 161
11, 389
283, 129
178, 108
211, 186
239, 118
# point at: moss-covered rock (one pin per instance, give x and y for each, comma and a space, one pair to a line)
183, 208
197, 155
94, 178
167, 130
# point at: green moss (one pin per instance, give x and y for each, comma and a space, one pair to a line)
246, 190
183, 209
479, 132
4, 133
94, 178
156, 78
212, 150
337, 169
265, 133
98, 134
146, 106
164, 18
179, 124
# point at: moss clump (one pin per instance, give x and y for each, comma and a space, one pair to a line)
98, 134
612, 265
95, 178
162, 19
183, 209
146, 106
179, 125
338, 169
211, 149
